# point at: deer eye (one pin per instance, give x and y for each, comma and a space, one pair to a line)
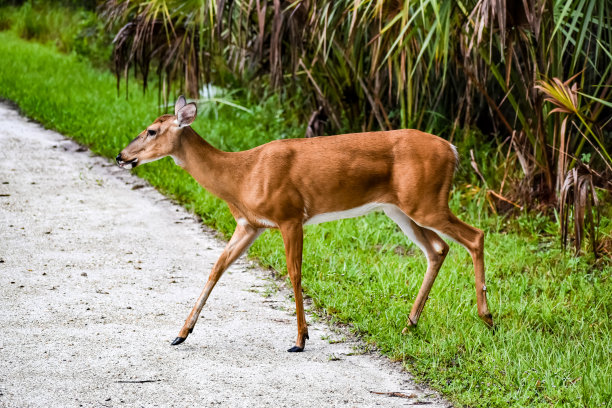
151, 132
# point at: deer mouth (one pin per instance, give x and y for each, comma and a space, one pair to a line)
126, 164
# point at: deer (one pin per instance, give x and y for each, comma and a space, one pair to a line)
289, 183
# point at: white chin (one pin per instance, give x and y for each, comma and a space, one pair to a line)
132, 164
128, 165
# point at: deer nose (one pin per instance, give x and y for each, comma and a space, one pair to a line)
118, 158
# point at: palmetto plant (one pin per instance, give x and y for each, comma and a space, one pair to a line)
383, 63
510, 46
577, 189
566, 101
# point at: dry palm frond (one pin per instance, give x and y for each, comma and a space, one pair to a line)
359, 59
155, 35
578, 191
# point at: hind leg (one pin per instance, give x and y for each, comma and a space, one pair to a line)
434, 248
472, 239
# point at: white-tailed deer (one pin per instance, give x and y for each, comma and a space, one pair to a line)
287, 184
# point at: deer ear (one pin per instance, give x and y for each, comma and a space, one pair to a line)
186, 115
180, 102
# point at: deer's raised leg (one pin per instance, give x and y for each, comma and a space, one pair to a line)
434, 248
243, 237
293, 237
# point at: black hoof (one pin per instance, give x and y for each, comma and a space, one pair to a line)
178, 340
295, 349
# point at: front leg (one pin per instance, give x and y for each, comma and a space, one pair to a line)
243, 237
293, 238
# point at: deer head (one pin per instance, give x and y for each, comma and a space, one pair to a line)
161, 138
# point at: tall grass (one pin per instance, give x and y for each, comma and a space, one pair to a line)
553, 341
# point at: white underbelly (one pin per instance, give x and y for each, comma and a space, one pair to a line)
352, 213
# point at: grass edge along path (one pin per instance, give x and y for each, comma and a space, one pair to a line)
553, 341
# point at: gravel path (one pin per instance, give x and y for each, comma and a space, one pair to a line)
98, 272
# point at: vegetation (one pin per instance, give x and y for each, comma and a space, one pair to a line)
65, 24
477, 71
553, 341
434, 65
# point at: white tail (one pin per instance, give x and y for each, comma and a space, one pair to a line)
286, 184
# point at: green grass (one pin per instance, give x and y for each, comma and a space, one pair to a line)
553, 343
70, 29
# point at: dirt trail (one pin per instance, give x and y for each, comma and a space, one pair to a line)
98, 272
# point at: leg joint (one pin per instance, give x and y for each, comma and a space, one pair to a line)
480, 239
440, 250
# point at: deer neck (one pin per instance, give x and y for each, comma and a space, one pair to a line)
213, 169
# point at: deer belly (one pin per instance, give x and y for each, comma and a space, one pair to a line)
351, 213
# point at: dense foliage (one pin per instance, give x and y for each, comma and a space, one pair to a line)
433, 65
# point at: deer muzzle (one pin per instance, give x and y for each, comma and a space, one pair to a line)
126, 164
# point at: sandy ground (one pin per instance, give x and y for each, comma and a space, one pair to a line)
98, 272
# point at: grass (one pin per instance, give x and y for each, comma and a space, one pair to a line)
70, 29
553, 343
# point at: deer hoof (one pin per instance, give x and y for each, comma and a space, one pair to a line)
410, 326
295, 349
178, 340
488, 319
